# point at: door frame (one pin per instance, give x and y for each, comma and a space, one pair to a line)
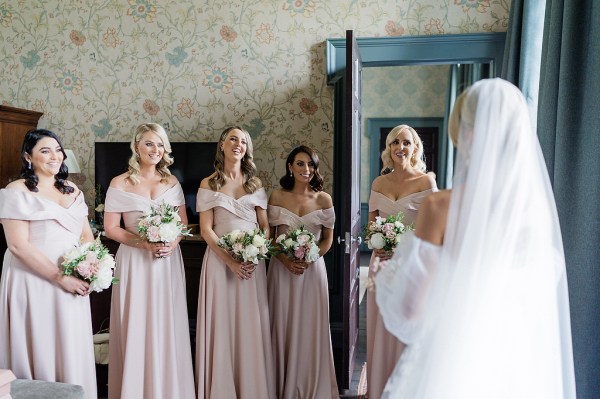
467, 48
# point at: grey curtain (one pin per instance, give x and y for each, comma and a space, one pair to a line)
461, 77
523, 50
569, 131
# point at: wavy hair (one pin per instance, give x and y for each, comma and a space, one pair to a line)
217, 179
28, 174
134, 162
458, 114
287, 181
417, 161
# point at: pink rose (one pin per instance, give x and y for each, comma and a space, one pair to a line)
153, 234
299, 252
84, 268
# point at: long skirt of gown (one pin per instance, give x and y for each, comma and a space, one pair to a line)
299, 307
233, 341
149, 345
45, 332
385, 348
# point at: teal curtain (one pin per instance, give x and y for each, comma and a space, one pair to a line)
523, 50
461, 77
569, 131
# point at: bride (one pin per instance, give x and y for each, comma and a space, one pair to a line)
479, 292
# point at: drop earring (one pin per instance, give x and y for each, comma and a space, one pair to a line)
29, 165
291, 174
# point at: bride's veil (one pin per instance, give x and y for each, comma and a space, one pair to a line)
496, 320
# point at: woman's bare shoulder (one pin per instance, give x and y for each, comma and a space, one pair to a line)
437, 201
204, 183
276, 197
431, 219
427, 181
324, 200
379, 183
18, 184
119, 181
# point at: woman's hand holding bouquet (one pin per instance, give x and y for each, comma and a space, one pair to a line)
161, 227
246, 247
299, 249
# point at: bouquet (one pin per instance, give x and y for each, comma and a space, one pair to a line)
247, 246
386, 233
91, 262
299, 244
162, 224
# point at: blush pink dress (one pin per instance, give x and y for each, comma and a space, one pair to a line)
299, 308
149, 346
234, 358
383, 349
45, 332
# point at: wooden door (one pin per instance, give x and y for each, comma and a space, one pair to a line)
14, 124
344, 290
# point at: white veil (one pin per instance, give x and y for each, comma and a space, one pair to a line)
495, 322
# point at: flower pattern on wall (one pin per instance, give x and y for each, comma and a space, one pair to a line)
477, 5
218, 79
141, 9
68, 81
5, 16
302, 7
97, 69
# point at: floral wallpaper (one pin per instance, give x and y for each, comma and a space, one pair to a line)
401, 91
99, 68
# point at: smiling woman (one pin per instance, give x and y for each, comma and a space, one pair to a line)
149, 303
44, 216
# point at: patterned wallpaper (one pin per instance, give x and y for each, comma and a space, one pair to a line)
401, 91
98, 68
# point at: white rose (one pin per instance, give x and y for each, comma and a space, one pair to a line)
289, 243
250, 253
234, 234
169, 232
77, 251
107, 262
303, 238
376, 241
103, 279
379, 220
313, 254
280, 239
258, 240
399, 225
176, 217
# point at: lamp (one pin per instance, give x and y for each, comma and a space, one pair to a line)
71, 163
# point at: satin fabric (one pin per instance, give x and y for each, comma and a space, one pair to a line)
45, 332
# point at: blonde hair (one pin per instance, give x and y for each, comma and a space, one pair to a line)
416, 161
134, 162
456, 116
217, 179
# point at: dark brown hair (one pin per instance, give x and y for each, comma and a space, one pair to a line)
287, 181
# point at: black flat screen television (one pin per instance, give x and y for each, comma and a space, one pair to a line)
192, 163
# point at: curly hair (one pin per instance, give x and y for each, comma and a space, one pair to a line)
134, 162
287, 181
417, 161
28, 173
217, 179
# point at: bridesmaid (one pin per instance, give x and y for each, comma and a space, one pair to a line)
234, 358
149, 347
298, 296
402, 187
45, 320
